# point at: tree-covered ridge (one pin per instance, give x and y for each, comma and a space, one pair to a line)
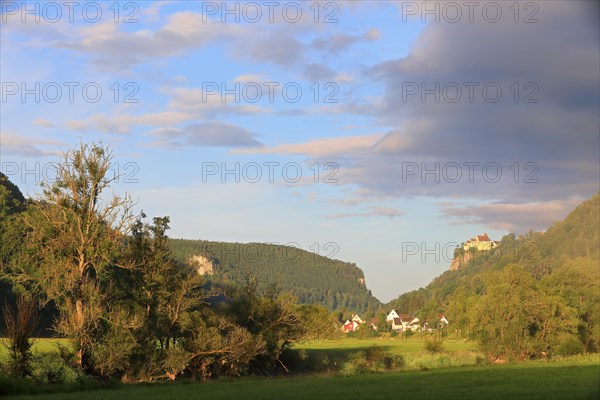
578, 235
542, 287
12, 203
311, 277
11, 198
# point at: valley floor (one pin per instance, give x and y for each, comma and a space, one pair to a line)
521, 381
450, 375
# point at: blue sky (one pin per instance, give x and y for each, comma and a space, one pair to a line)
399, 134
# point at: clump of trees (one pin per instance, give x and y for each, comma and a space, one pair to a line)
133, 311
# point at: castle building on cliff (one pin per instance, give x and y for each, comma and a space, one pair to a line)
480, 242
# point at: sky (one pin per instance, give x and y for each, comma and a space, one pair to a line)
380, 133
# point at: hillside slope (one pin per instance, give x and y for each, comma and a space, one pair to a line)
534, 296
577, 236
311, 277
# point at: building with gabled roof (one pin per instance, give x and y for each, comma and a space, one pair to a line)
390, 317
480, 242
404, 322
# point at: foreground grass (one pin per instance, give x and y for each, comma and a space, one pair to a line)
448, 375
551, 380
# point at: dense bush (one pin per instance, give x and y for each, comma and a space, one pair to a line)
569, 346
434, 346
50, 367
364, 332
371, 360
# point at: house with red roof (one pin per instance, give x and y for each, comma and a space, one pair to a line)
352, 324
480, 242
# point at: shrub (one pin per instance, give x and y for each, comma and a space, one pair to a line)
363, 332
51, 368
373, 359
356, 364
374, 355
20, 324
480, 360
569, 346
393, 361
434, 346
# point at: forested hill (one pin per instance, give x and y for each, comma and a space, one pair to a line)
311, 277
558, 269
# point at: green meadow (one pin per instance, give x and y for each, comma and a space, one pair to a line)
558, 380
39, 346
457, 372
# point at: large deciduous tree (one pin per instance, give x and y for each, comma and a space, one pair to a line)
75, 233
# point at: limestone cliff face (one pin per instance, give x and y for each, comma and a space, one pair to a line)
461, 261
202, 264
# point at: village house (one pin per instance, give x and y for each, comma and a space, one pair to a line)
390, 317
373, 324
480, 242
405, 322
352, 324
442, 319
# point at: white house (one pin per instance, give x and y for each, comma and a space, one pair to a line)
414, 325
357, 319
405, 322
390, 317
442, 321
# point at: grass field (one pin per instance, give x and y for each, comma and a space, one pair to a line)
395, 345
332, 348
574, 378
39, 345
521, 381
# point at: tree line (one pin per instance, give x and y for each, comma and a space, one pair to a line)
133, 311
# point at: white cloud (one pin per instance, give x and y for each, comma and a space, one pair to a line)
373, 211
21, 145
519, 218
208, 134
320, 147
43, 122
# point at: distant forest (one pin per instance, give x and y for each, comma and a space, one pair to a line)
314, 279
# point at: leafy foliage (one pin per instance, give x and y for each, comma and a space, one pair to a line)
133, 310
